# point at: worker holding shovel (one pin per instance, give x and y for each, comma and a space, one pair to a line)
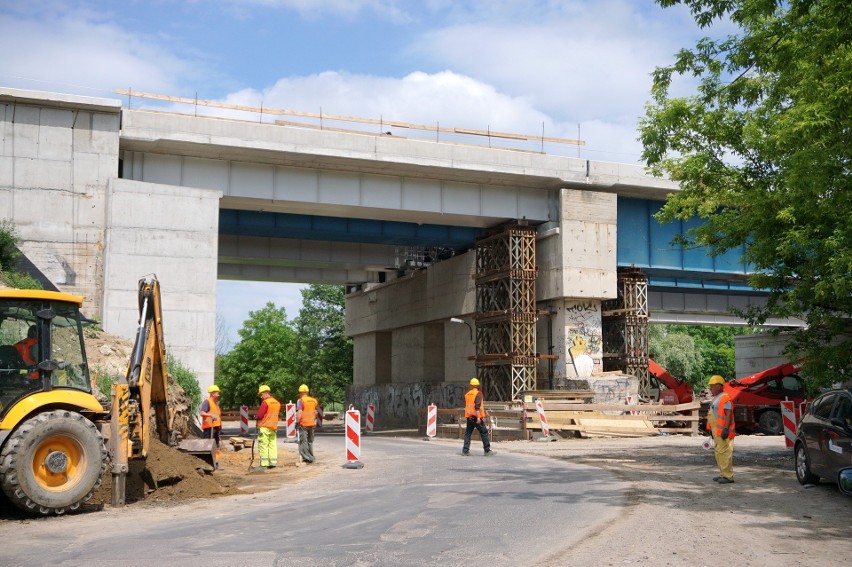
267, 428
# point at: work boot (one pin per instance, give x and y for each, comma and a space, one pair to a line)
723, 480
717, 478
489, 452
465, 453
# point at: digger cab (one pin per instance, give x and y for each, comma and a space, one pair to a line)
41, 345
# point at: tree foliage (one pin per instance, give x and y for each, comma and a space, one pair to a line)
325, 352
709, 350
762, 152
266, 354
9, 256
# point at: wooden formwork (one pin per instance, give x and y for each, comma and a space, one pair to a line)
615, 419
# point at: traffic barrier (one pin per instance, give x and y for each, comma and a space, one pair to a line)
353, 439
545, 430
244, 427
290, 414
790, 419
371, 417
631, 401
432, 421
320, 415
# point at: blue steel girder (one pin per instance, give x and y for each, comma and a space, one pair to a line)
310, 227
645, 243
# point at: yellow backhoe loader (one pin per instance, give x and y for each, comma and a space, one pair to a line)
52, 428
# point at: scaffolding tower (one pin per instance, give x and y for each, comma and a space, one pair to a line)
625, 328
506, 312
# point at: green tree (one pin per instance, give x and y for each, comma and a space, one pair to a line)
762, 153
677, 353
186, 379
9, 255
264, 355
325, 352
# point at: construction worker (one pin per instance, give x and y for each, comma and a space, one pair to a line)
306, 418
267, 428
28, 351
720, 423
211, 419
474, 412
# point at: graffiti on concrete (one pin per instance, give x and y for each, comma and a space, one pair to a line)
401, 405
613, 388
583, 334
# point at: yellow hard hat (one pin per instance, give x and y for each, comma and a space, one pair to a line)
213, 388
474, 382
263, 389
716, 379
303, 388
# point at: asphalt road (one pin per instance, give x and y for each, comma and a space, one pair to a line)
414, 503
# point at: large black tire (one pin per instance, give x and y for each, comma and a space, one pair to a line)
53, 462
770, 423
803, 466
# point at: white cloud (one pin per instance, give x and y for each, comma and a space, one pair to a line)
78, 52
389, 9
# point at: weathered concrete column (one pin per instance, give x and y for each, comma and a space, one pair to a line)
577, 270
171, 232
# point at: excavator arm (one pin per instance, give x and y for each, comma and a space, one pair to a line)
142, 396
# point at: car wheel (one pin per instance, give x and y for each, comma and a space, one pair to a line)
803, 466
770, 423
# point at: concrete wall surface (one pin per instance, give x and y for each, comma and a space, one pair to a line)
398, 405
57, 157
754, 353
171, 232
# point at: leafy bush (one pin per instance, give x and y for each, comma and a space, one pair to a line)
186, 379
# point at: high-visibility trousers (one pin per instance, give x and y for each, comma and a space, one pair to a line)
724, 451
267, 443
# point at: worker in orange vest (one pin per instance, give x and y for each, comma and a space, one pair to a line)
28, 351
211, 419
474, 413
267, 428
720, 423
306, 418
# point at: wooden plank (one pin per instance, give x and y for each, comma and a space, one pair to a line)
617, 407
381, 122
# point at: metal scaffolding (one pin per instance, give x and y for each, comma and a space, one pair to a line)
505, 312
625, 328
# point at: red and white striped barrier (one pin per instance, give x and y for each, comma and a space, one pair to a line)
631, 401
432, 421
244, 420
290, 416
371, 417
353, 439
790, 418
545, 430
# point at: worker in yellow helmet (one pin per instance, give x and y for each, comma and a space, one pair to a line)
474, 413
306, 420
211, 419
720, 423
267, 427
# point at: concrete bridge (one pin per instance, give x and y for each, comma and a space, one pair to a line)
102, 195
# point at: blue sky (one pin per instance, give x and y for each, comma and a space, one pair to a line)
507, 65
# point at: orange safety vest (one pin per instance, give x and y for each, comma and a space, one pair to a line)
24, 348
721, 418
470, 404
206, 421
309, 412
270, 418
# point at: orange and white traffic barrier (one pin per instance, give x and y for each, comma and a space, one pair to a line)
371, 417
290, 416
353, 439
545, 430
431, 421
244, 420
790, 419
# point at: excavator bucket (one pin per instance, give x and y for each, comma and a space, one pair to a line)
204, 449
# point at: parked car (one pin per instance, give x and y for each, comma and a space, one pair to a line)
823, 445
